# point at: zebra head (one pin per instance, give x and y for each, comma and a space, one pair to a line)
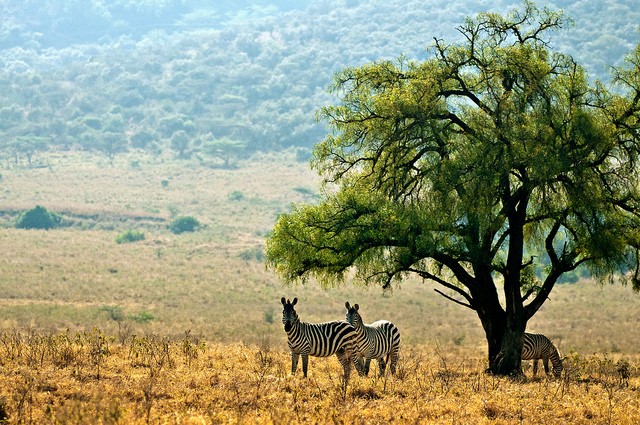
353, 317
289, 315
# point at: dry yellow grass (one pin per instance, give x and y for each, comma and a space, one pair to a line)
90, 378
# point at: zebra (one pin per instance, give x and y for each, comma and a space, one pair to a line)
379, 340
538, 347
318, 340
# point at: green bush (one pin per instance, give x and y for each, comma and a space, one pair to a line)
184, 224
115, 312
38, 218
142, 317
130, 236
250, 254
236, 196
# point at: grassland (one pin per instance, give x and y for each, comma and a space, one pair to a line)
186, 328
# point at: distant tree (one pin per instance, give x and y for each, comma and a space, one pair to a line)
172, 124
184, 224
29, 145
38, 218
110, 144
115, 123
10, 116
469, 168
225, 149
93, 122
180, 142
141, 139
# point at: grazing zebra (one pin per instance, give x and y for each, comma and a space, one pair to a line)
536, 347
319, 340
379, 340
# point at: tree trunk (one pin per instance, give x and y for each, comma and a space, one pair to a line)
508, 362
505, 336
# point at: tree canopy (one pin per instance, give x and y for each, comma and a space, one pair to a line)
470, 169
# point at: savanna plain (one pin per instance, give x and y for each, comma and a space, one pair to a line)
186, 328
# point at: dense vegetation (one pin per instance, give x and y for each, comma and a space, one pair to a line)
226, 80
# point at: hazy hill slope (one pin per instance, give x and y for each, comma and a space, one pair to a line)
187, 76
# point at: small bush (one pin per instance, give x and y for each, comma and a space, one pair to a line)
236, 196
130, 236
38, 218
250, 254
184, 224
142, 317
268, 316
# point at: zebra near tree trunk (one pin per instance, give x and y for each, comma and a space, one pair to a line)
379, 340
318, 340
538, 347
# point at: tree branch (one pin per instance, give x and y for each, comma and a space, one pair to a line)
430, 276
453, 299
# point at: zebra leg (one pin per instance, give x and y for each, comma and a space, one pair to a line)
345, 360
535, 367
358, 362
382, 365
367, 364
294, 362
393, 362
545, 363
305, 364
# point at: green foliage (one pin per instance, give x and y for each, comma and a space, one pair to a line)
130, 236
180, 142
236, 196
38, 218
114, 312
142, 317
253, 254
184, 224
268, 316
225, 149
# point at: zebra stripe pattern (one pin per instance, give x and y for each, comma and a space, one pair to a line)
318, 340
379, 340
539, 347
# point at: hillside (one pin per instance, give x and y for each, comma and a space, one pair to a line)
221, 82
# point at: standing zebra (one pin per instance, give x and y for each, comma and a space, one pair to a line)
379, 340
319, 340
536, 347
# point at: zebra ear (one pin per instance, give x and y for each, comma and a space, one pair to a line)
356, 306
283, 301
346, 304
295, 300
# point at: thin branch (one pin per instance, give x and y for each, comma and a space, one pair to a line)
430, 276
453, 299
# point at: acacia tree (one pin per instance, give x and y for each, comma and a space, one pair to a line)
471, 169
